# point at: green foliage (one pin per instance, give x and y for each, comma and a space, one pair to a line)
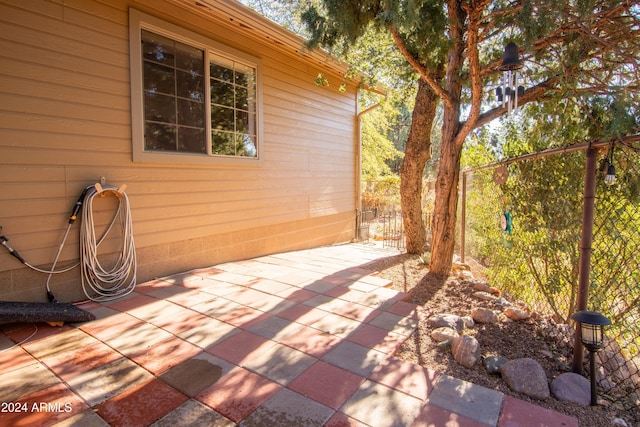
321, 80
381, 184
341, 23
382, 194
539, 261
378, 151
480, 150
286, 13
545, 198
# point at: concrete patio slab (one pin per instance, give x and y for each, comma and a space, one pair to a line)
406, 377
288, 409
467, 399
25, 380
139, 337
354, 358
12, 356
165, 355
336, 325
181, 321
379, 339
82, 359
302, 314
275, 328
432, 416
155, 311
60, 343
106, 381
395, 323
44, 407
312, 341
193, 413
280, 364
241, 347
208, 332
196, 374
86, 418
216, 307
377, 405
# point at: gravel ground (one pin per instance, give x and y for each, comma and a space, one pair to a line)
539, 337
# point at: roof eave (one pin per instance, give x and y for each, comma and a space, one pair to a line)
282, 39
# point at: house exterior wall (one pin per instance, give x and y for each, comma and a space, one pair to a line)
65, 122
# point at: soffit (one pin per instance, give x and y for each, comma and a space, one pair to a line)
237, 16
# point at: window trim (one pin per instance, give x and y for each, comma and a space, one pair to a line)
139, 21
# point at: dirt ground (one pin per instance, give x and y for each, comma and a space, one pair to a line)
539, 337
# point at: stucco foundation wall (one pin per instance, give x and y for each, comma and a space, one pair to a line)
165, 259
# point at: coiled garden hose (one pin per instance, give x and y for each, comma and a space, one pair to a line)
98, 283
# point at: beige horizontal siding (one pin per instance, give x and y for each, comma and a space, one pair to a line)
65, 121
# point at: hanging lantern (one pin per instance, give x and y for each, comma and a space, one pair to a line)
610, 176
509, 92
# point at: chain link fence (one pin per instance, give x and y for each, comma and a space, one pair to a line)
523, 221
615, 277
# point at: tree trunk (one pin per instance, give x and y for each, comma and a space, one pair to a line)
446, 200
417, 152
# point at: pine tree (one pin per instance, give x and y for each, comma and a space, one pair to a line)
570, 49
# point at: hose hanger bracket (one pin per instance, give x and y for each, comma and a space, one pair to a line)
118, 192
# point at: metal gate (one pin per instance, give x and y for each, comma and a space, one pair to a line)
393, 231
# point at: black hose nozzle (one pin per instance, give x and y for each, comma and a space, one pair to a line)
78, 206
3, 242
74, 214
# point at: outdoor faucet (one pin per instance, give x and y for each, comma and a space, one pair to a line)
3, 242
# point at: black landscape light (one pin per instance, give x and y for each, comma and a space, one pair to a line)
592, 326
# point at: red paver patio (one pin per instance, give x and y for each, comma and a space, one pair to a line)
319, 383
238, 348
238, 394
140, 405
302, 337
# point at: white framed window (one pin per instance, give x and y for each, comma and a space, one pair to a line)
193, 100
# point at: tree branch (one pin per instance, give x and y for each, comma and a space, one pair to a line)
530, 95
488, 22
474, 12
604, 22
456, 16
422, 71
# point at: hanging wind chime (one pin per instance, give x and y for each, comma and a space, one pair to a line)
509, 92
